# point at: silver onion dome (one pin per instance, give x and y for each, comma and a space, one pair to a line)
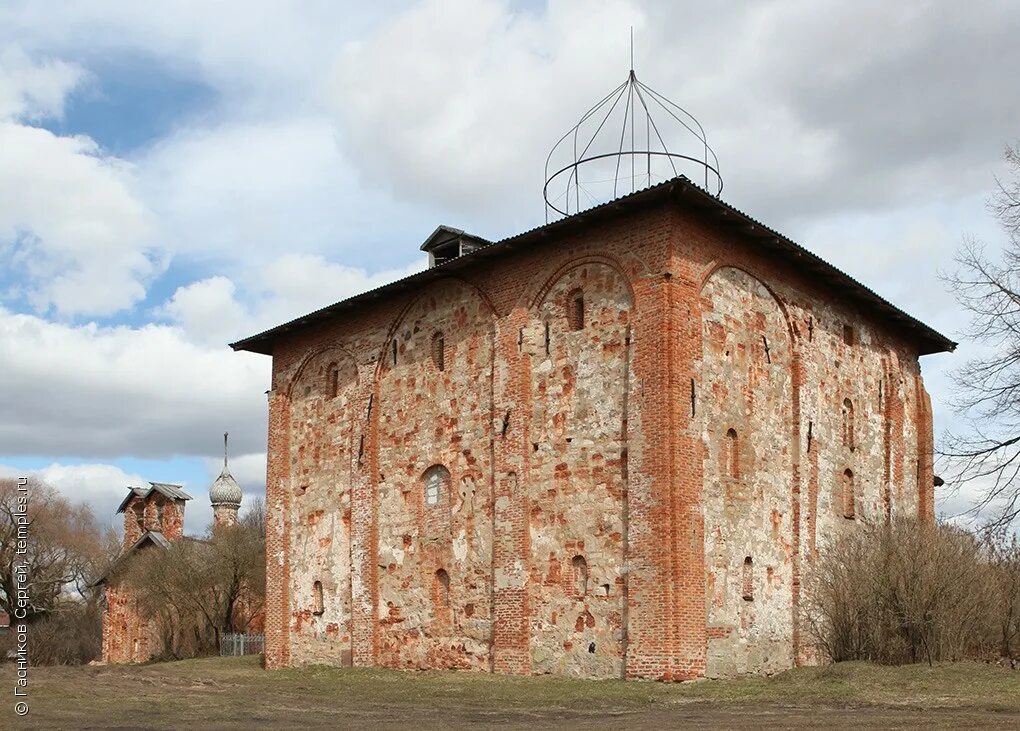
225, 490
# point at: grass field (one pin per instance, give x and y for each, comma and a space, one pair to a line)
235, 693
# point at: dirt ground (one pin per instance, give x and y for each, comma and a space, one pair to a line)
235, 693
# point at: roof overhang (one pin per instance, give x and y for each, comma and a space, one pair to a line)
174, 492
150, 536
679, 190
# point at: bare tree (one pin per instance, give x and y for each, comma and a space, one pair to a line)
986, 452
904, 593
65, 548
1004, 559
197, 590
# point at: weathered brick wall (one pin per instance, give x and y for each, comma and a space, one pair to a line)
435, 428
586, 462
745, 419
128, 636
319, 523
579, 385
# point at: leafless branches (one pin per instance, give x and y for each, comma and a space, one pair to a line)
986, 452
65, 548
910, 593
199, 589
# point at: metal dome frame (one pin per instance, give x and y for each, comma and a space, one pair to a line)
635, 92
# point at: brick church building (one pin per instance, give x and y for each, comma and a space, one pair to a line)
153, 520
611, 446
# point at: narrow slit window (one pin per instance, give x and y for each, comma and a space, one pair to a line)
848, 424
747, 580
439, 351
576, 312
580, 571
334, 380
548, 338
849, 496
317, 601
732, 454
394, 351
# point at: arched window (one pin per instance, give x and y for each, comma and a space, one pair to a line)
848, 424
159, 515
317, 603
580, 570
575, 313
439, 351
140, 516
849, 495
732, 454
747, 580
442, 588
437, 485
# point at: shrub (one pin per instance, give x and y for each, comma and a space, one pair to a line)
911, 592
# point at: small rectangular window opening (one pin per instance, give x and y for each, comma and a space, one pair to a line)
575, 312
747, 588
848, 334
439, 351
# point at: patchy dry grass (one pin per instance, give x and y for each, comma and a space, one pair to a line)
233, 693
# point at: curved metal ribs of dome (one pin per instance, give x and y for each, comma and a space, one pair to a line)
635, 92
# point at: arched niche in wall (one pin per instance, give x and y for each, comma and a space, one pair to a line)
745, 416
578, 341
434, 428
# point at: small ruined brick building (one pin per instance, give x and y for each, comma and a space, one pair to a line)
153, 519
611, 446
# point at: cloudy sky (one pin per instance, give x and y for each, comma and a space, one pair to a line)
172, 180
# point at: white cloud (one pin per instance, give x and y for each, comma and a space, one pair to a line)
32, 90
338, 138
70, 222
207, 310
100, 486
210, 312
120, 391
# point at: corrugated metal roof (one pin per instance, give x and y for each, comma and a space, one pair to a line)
681, 189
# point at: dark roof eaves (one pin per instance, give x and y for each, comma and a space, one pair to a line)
680, 183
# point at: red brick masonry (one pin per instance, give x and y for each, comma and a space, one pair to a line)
613, 450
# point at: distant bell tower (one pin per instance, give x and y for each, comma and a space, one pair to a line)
225, 495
